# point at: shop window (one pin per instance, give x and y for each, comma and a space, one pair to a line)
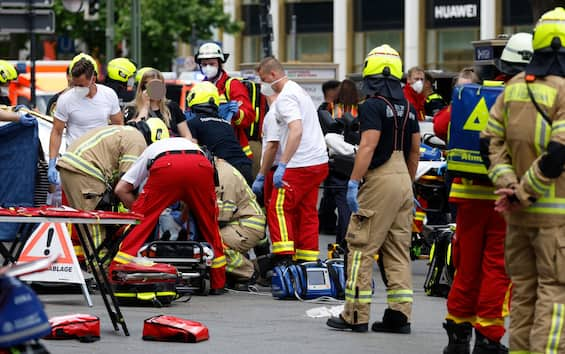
311, 47
453, 48
252, 49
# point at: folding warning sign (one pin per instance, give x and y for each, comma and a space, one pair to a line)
46, 240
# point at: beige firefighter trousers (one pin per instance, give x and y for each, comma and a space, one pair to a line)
535, 262
75, 186
239, 240
383, 222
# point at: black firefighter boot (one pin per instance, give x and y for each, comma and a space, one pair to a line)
393, 322
459, 337
483, 345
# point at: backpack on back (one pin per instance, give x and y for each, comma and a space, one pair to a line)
258, 102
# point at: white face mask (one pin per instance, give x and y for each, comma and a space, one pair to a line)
418, 86
80, 92
267, 87
209, 71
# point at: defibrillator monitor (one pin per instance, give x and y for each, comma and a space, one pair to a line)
317, 279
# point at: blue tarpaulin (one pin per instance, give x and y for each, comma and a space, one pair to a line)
18, 166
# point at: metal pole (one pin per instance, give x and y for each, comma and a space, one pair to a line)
31, 52
136, 31
109, 30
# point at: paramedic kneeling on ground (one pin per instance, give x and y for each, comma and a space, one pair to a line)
386, 161
176, 169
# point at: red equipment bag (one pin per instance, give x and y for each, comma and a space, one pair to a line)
85, 328
174, 329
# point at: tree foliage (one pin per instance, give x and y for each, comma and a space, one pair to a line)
163, 23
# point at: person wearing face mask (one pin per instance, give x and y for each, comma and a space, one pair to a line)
414, 90
303, 165
150, 101
85, 106
210, 57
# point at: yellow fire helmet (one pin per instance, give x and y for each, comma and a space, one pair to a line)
550, 29
203, 92
84, 56
7, 72
381, 58
152, 129
141, 72
121, 69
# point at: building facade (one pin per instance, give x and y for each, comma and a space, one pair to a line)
434, 34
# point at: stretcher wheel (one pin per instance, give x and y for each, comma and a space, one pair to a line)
204, 287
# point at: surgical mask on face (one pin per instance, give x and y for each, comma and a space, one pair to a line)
80, 92
209, 71
418, 86
267, 87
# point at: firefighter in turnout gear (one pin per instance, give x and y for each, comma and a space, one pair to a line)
526, 135
480, 293
386, 163
210, 57
241, 219
92, 164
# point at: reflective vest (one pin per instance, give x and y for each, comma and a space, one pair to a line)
469, 116
464, 188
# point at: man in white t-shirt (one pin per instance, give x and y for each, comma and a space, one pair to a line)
84, 107
291, 213
175, 169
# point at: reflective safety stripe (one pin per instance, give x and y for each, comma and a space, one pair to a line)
496, 127
468, 161
307, 255
459, 320
557, 128
403, 295
548, 206
254, 222
355, 265
279, 209
471, 191
506, 303
128, 158
557, 316
78, 250
542, 134
146, 296
95, 139
543, 94
96, 235
287, 246
419, 215
123, 258
537, 185
247, 150
240, 119
83, 165
500, 170
364, 296
488, 322
233, 261
219, 262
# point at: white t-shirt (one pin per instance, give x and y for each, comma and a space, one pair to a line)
84, 114
271, 132
294, 103
138, 171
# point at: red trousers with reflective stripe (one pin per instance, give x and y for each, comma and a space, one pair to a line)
189, 178
480, 290
292, 215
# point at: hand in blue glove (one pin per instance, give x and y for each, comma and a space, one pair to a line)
258, 184
52, 173
20, 106
227, 110
26, 118
279, 174
352, 190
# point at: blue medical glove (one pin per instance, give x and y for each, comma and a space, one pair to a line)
352, 190
228, 110
52, 173
279, 174
20, 106
26, 119
258, 184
